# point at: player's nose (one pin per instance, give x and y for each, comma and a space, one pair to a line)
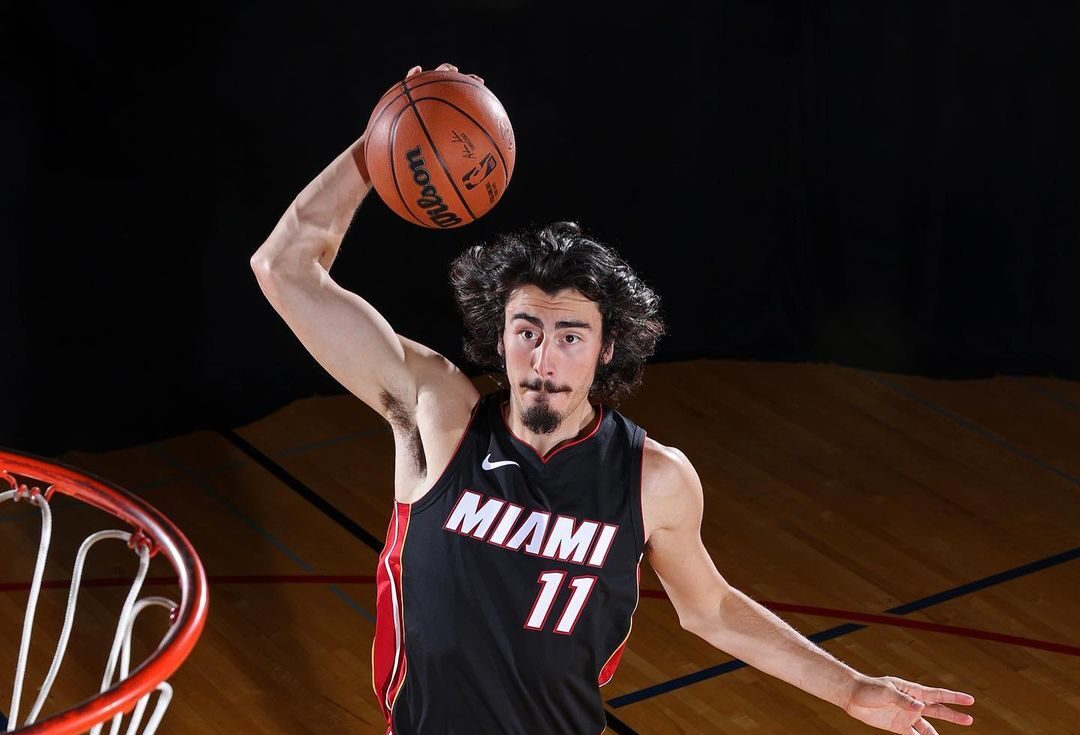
543, 361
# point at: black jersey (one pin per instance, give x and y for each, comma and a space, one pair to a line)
505, 594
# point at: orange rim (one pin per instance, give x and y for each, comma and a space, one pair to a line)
165, 538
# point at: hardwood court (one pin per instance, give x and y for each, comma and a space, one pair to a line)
923, 528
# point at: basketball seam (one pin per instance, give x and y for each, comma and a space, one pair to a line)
498, 149
406, 88
393, 170
438, 154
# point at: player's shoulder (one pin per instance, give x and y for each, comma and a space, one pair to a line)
667, 471
666, 460
438, 376
671, 492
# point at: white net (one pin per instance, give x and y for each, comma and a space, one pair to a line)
118, 665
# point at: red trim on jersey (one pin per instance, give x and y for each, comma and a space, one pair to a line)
607, 673
560, 447
641, 493
388, 664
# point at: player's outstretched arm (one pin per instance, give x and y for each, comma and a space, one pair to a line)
732, 622
342, 331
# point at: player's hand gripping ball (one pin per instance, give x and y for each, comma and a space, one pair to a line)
439, 148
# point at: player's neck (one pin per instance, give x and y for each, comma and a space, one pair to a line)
580, 422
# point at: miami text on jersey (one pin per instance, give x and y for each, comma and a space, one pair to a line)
566, 539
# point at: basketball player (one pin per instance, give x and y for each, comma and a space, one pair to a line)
510, 571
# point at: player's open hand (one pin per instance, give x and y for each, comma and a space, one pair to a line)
901, 706
441, 67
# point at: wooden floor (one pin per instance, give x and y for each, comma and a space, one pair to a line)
927, 529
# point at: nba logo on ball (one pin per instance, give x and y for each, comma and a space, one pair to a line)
440, 149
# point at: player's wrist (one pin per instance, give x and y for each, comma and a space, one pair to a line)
845, 693
360, 159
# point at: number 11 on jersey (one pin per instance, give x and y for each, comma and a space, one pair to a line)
550, 583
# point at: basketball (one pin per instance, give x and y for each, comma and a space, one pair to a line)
439, 149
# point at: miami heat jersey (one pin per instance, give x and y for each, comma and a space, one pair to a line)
505, 594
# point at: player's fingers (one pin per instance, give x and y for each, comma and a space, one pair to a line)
932, 694
948, 696
942, 712
906, 701
413, 71
476, 78
448, 67
924, 728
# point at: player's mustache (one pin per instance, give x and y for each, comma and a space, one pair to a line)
549, 386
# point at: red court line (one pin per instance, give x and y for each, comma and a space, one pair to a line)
212, 579
825, 612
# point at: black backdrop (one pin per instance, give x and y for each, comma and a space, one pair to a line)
883, 185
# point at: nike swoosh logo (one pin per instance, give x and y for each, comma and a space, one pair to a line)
487, 464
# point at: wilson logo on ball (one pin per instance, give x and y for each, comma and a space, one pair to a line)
429, 200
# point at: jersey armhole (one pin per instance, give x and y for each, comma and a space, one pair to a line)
440, 485
637, 461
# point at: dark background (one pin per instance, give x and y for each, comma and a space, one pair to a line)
884, 185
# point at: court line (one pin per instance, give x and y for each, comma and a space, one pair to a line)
255, 526
1052, 395
218, 579
954, 630
297, 486
841, 630
992, 580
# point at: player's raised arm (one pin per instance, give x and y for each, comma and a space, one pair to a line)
342, 331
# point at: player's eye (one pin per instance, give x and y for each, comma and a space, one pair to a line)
574, 337
527, 333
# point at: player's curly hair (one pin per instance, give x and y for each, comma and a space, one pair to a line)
552, 258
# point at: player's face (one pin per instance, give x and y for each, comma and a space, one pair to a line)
552, 345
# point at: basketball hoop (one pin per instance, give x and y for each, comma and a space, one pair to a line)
151, 533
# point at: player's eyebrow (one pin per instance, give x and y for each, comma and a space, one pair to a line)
570, 324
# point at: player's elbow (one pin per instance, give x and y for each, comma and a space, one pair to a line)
270, 267
272, 278
697, 622
691, 624
260, 266
264, 273
703, 617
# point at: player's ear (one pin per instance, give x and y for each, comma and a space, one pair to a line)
605, 356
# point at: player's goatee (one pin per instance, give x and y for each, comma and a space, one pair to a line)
540, 419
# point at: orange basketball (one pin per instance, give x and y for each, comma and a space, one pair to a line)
440, 149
